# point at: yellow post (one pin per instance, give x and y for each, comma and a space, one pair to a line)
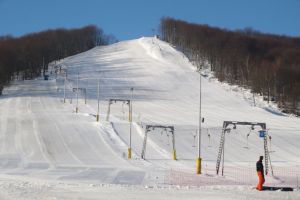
129, 153
174, 155
198, 165
97, 118
129, 117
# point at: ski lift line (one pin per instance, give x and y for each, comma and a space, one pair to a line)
252, 124
96, 78
101, 79
221, 154
212, 129
71, 88
280, 129
269, 129
149, 127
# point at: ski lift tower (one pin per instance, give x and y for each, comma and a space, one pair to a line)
129, 103
112, 101
150, 128
262, 134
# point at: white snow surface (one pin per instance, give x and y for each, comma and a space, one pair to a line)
48, 151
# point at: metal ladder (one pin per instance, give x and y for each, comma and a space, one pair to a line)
144, 145
221, 147
267, 155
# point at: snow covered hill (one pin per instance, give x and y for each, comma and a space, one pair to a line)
47, 147
166, 91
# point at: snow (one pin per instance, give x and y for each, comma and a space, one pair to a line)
48, 151
25, 190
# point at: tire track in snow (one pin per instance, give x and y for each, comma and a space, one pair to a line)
66, 145
48, 158
51, 140
3, 120
9, 141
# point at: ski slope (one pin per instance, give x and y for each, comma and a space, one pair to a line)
46, 147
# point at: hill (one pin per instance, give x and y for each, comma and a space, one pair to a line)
267, 64
52, 151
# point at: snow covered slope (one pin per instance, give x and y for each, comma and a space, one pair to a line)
166, 91
45, 144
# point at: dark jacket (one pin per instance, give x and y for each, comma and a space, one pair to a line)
260, 167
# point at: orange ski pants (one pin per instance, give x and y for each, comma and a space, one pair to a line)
261, 181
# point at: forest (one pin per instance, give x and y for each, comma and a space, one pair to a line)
28, 56
267, 64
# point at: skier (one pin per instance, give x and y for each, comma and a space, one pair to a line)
260, 173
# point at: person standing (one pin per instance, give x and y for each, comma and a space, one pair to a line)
260, 173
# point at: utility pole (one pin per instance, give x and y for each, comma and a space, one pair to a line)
130, 123
198, 161
84, 89
98, 97
77, 92
65, 89
44, 66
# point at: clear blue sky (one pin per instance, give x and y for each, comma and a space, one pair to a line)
128, 19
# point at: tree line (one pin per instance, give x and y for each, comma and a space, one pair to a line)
265, 63
28, 56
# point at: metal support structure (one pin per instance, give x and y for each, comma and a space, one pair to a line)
223, 160
173, 146
77, 93
129, 103
221, 150
267, 155
98, 100
108, 111
84, 90
111, 101
77, 90
65, 89
130, 123
199, 159
221, 154
144, 145
152, 128
44, 66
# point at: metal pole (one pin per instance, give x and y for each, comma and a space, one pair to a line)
297, 183
65, 90
200, 121
77, 93
198, 161
270, 145
130, 123
44, 66
173, 141
223, 156
84, 95
98, 96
